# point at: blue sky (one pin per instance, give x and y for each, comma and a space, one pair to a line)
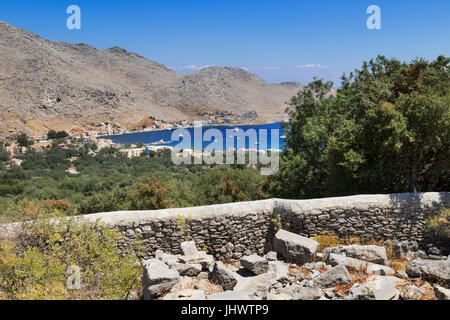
278, 40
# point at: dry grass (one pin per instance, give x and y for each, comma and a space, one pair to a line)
359, 276
298, 270
328, 240
207, 286
420, 283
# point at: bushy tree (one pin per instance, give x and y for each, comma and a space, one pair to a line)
386, 130
23, 141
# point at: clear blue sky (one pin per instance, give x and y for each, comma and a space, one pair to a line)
278, 40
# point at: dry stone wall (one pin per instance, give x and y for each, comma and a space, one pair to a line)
230, 231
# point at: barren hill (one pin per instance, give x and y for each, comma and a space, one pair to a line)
46, 84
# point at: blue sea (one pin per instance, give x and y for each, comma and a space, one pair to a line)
256, 137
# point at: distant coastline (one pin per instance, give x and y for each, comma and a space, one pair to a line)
156, 136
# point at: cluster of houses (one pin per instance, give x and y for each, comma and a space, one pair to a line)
137, 152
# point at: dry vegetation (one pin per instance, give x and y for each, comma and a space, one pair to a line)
327, 240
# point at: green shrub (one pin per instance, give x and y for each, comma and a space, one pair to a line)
36, 262
439, 227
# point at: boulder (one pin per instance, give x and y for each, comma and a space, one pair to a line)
380, 289
336, 259
255, 287
158, 279
255, 264
441, 293
411, 293
337, 276
188, 248
190, 270
371, 253
280, 270
229, 295
295, 248
200, 257
432, 270
271, 256
223, 276
167, 258
404, 249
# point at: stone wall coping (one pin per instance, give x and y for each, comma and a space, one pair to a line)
365, 202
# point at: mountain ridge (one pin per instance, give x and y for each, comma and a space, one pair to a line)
59, 85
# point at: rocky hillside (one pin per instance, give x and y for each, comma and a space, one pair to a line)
46, 84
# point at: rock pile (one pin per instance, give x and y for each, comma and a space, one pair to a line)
295, 270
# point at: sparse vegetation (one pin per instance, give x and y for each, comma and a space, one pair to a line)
183, 227
34, 264
439, 227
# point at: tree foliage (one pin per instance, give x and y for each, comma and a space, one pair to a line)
386, 130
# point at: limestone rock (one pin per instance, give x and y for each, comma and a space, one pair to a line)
280, 270
380, 289
223, 276
411, 293
295, 248
255, 287
337, 276
255, 264
271, 256
302, 293
432, 270
336, 259
158, 279
168, 259
188, 248
371, 253
190, 270
200, 257
441, 293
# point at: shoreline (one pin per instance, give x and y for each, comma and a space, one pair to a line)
189, 127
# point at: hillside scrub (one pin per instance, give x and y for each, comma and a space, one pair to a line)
110, 181
41, 261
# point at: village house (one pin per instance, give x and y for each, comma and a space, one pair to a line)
132, 153
72, 170
16, 162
